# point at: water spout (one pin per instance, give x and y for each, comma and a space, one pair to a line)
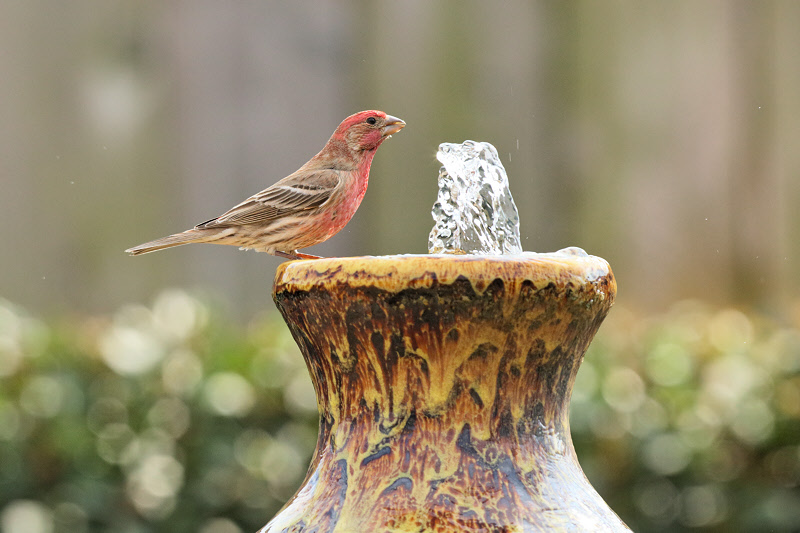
474, 212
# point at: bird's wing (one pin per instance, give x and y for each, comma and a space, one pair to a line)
305, 189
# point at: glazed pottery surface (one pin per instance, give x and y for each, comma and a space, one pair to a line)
443, 385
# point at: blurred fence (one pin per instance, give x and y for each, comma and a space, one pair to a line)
660, 136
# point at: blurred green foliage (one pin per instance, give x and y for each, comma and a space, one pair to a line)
690, 421
157, 419
169, 418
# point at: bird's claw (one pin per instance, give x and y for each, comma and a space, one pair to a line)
295, 255
307, 256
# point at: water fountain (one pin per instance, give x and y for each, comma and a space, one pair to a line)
443, 381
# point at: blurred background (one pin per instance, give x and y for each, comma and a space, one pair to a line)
163, 393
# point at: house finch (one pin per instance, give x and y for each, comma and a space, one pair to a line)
305, 208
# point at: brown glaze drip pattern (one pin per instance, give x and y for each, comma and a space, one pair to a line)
443, 385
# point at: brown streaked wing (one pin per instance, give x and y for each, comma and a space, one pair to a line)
294, 193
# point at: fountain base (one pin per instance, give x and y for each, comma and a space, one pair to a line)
443, 384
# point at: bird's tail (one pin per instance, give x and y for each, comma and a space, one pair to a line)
187, 237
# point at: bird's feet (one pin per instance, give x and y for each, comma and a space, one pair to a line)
307, 256
295, 255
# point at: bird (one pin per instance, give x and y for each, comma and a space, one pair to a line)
306, 207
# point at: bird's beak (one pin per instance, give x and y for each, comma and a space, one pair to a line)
392, 126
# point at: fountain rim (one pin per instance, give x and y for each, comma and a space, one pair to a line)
397, 272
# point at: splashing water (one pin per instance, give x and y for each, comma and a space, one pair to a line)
474, 212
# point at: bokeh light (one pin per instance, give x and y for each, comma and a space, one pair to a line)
229, 394
26, 516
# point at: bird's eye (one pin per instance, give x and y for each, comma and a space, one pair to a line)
371, 120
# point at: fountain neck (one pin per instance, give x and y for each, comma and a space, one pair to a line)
489, 358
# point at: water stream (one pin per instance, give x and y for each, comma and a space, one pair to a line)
474, 212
